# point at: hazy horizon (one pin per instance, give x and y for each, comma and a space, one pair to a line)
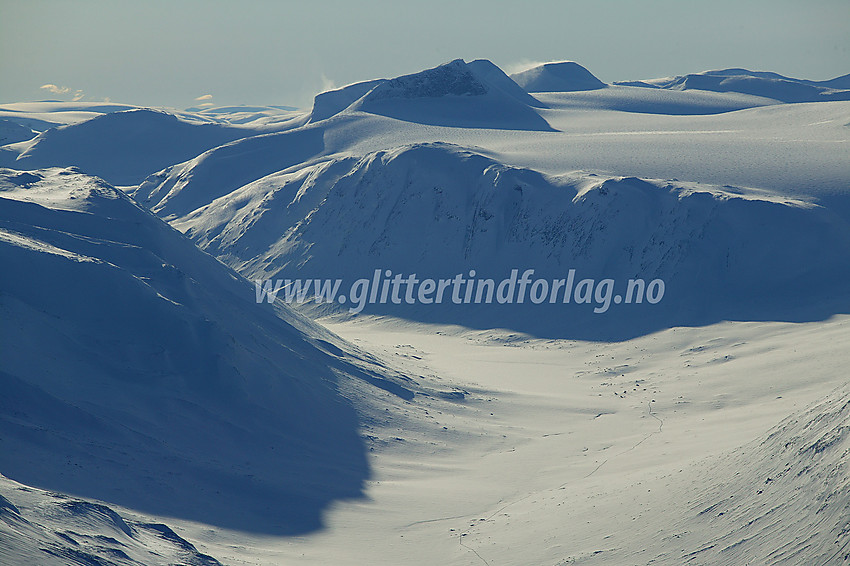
272, 53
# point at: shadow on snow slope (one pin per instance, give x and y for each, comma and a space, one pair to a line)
137, 370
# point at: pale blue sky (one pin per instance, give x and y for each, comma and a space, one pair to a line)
262, 52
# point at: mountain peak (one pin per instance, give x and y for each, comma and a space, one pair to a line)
453, 78
559, 76
455, 94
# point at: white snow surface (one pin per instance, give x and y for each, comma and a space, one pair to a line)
153, 413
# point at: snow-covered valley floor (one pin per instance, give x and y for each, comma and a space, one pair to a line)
570, 452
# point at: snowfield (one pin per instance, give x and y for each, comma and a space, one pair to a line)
153, 412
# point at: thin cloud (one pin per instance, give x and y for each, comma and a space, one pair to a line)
49, 87
55, 89
204, 97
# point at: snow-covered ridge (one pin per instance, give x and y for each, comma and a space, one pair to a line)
453, 78
756, 83
440, 209
124, 147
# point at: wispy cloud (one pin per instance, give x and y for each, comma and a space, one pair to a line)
206, 104
49, 87
55, 89
204, 97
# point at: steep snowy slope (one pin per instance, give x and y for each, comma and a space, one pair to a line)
332, 102
782, 499
562, 76
437, 210
137, 370
178, 190
124, 147
756, 83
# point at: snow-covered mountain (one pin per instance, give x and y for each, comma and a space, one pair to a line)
124, 147
352, 192
438, 209
138, 370
561, 76
456, 94
182, 188
756, 83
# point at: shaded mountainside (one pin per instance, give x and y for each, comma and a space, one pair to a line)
438, 210
140, 371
